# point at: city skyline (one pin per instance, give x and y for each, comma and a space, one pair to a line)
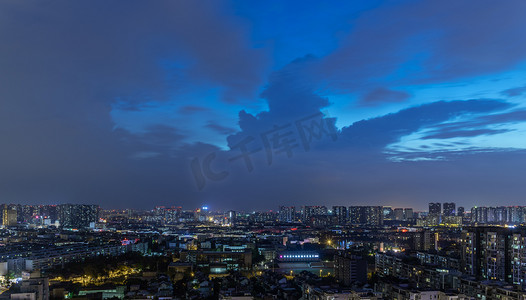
245, 106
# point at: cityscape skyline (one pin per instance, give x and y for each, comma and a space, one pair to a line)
327, 206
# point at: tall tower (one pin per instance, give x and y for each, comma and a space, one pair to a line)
9, 216
435, 208
449, 209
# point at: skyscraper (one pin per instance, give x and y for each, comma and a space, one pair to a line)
367, 215
9, 215
460, 211
77, 215
340, 212
403, 214
287, 214
387, 212
232, 216
435, 208
449, 209
310, 211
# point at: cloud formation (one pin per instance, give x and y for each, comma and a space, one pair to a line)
517, 91
67, 66
383, 95
427, 42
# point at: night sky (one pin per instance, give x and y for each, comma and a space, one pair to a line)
254, 104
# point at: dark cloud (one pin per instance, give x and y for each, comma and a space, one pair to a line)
66, 65
190, 109
513, 92
481, 122
518, 115
383, 95
126, 48
162, 135
220, 128
424, 42
290, 95
464, 133
378, 132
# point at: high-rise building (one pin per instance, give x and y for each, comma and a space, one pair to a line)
498, 215
317, 210
449, 209
388, 213
495, 253
48, 212
172, 215
264, 216
287, 214
501, 215
435, 208
515, 214
349, 269
78, 215
408, 214
479, 214
366, 215
232, 217
425, 240
398, 214
340, 212
403, 214
9, 215
460, 211
25, 213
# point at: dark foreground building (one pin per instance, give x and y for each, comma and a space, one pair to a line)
495, 253
349, 269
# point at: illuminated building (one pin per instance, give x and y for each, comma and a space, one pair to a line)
340, 212
449, 209
495, 253
298, 256
435, 208
287, 214
78, 215
366, 215
9, 216
311, 211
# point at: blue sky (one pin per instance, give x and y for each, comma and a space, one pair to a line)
112, 103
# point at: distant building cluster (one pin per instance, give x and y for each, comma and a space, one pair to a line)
499, 215
64, 215
305, 252
438, 214
82, 215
